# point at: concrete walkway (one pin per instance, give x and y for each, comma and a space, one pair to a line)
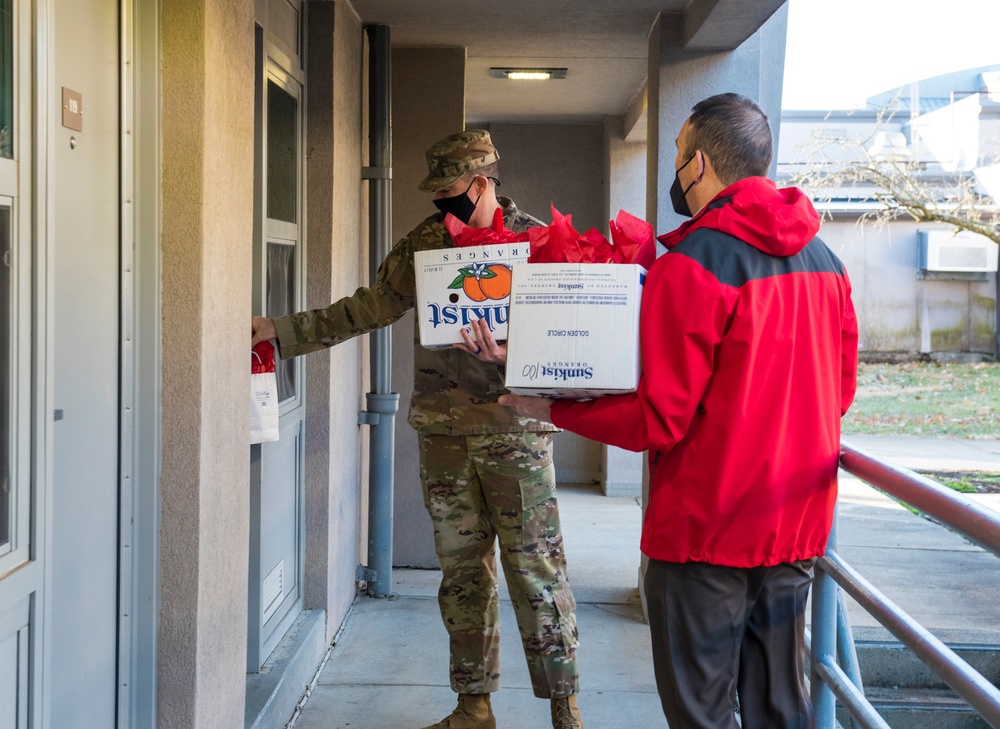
388, 669
947, 583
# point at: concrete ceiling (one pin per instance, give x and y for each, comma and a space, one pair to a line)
602, 43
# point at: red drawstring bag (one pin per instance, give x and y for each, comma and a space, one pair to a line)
263, 394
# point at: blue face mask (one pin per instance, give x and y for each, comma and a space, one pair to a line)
678, 195
458, 205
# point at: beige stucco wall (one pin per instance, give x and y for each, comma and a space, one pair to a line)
336, 255
207, 208
560, 164
428, 103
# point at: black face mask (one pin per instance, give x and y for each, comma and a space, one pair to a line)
678, 196
459, 205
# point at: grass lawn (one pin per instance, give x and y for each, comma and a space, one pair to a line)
932, 401
926, 399
972, 482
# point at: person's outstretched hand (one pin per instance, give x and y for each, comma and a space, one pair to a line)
479, 342
539, 408
262, 329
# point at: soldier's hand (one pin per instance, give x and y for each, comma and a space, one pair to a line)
479, 342
539, 408
262, 329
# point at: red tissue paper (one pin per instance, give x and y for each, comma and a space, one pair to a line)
262, 358
632, 241
465, 235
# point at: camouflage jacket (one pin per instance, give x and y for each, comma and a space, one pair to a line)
453, 392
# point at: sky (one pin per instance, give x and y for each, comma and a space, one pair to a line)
840, 52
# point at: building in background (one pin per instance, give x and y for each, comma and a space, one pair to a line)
918, 288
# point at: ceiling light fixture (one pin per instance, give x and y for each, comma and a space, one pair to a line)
528, 74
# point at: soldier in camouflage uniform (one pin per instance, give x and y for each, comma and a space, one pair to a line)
486, 472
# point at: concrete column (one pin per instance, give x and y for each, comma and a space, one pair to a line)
625, 172
336, 240
207, 213
428, 104
680, 78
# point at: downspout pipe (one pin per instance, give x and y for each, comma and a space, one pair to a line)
382, 404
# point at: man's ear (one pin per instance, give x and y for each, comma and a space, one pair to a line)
704, 164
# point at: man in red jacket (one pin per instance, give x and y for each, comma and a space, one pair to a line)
749, 349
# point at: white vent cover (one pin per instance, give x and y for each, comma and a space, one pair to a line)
273, 589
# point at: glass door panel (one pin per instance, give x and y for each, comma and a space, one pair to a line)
8, 279
283, 163
281, 296
282, 154
6, 79
6, 411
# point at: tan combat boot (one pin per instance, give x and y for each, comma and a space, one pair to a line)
473, 712
566, 714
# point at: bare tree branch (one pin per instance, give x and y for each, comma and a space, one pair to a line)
836, 166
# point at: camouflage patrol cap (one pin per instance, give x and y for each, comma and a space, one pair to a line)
453, 156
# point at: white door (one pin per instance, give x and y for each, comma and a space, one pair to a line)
20, 575
276, 469
81, 645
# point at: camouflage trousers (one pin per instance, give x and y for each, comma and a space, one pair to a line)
479, 488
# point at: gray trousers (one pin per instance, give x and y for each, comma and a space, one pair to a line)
718, 631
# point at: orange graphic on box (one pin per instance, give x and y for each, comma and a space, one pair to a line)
482, 281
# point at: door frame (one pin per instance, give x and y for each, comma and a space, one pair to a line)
277, 60
140, 365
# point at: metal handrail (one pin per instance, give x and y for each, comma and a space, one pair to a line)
974, 521
829, 680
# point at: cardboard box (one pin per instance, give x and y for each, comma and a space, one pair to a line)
458, 285
574, 329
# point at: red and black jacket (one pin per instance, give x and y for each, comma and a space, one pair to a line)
749, 351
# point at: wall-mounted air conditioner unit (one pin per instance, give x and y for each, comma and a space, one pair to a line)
964, 252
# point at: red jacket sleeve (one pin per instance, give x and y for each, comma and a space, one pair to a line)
684, 314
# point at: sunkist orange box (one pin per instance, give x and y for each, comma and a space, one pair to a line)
574, 329
456, 286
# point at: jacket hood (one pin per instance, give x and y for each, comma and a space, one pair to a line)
779, 222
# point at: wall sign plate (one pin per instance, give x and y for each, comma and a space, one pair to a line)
72, 109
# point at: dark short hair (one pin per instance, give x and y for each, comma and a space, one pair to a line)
491, 171
733, 131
